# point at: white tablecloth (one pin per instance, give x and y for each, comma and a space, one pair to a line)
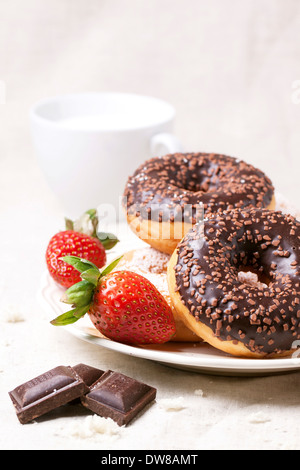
229, 68
210, 411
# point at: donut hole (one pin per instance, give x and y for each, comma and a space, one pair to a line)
204, 177
251, 266
202, 184
196, 187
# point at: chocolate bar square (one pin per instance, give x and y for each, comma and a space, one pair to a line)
46, 392
89, 374
118, 397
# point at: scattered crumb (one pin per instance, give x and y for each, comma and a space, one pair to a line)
259, 417
172, 404
92, 426
12, 314
290, 444
199, 392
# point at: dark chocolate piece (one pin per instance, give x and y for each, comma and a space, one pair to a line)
118, 397
46, 392
88, 374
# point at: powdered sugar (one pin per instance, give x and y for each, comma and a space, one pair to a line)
151, 264
151, 260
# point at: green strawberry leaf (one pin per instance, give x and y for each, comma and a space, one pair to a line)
91, 275
70, 317
80, 294
92, 213
81, 224
79, 263
108, 240
69, 224
110, 267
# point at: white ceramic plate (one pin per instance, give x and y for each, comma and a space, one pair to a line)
197, 357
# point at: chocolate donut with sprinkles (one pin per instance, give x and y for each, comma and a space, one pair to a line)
167, 195
236, 282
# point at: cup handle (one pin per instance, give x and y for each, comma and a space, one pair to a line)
164, 143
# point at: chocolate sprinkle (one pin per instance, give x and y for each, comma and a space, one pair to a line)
266, 321
163, 187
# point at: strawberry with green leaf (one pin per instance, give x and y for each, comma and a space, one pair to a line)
122, 305
81, 238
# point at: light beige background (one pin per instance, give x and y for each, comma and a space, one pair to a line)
228, 66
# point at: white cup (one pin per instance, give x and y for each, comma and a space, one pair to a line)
88, 144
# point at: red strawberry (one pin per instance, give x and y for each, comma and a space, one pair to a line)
74, 242
123, 306
69, 243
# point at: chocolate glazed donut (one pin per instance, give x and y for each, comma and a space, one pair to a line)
246, 320
162, 198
